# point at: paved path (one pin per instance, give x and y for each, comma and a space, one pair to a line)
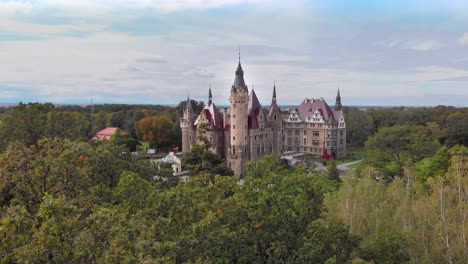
345, 166
341, 167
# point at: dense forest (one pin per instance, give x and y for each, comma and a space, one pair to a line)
65, 198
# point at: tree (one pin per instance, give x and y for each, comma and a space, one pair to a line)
157, 130
132, 191
26, 124
166, 178
359, 128
435, 166
201, 160
324, 240
333, 173
393, 147
457, 129
405, 219
118, 119
28, 173
66, 125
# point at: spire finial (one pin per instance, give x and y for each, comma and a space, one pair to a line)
209, 95
274, 91
239, 53
188, 104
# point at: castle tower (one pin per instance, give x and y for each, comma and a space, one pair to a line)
276, 123
186, 124
338, 105
239, 100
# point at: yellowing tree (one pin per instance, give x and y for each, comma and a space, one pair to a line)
157, 130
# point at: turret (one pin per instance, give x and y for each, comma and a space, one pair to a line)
186, 124
276, 123
239, 100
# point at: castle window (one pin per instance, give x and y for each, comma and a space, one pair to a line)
315, 142
316, 133
211, 139
305, 133
233, 138
233, 126
274, 117
233, 150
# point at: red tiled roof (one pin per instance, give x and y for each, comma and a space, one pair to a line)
213, 115
254, 111
107, 132
308, 107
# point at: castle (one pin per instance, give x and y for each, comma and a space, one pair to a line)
246, 131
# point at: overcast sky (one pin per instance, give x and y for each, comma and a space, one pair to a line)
408, 52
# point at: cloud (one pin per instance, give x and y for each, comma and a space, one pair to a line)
426, 45
417, 45
152, 60
204, 73
164, 5
463, 40
9, 8
388, 43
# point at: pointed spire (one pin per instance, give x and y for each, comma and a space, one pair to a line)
338, 105
188, 104
273, 98
210, 97
239, 78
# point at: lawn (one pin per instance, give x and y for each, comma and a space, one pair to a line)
359, 165
352, 156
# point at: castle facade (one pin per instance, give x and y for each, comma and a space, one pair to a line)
246, 131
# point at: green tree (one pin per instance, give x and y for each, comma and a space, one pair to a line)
394, 147
57, 167
457, 129
359, 127
26, 124
118, 119
332, 170
325, 240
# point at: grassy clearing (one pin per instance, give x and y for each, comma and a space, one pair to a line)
352, 156
359, 165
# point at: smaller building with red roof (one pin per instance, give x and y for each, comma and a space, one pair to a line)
108, 132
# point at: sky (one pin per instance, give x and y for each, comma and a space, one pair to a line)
411, 52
